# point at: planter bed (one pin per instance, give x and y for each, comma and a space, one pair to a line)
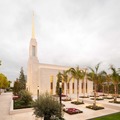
95, 108
116, 102
77, 102
66, 99
93, 95
72, 111
19, 105
106, 97
84, 96
97, 99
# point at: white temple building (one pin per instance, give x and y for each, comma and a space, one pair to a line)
44, 76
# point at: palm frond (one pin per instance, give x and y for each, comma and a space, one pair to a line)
97, 67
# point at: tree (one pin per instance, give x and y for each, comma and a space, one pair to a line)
3, 81
16, 87
22, 80
59, 78
47, 106
108, 80
115, 77
66, 79
93, 76
78, 75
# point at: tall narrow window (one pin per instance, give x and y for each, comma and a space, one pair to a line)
86, 87
82, 85
72, 85
51, 84
33, 50
63, 86
68, 88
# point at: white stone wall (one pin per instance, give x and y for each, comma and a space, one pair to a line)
44, 81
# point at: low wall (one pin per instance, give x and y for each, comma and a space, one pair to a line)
17, 111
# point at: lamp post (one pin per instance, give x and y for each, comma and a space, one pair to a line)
37, 92
60, 86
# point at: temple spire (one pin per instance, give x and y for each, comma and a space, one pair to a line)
33, 27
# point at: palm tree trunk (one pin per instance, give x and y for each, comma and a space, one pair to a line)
115, 96
47, 117
77, 90
117, 89
103, 89
94, 104
66, 89
108, 88
83, 88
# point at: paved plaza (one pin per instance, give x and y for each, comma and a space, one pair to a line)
5, 100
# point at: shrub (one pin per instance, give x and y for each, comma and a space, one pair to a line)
47, 106
25, 96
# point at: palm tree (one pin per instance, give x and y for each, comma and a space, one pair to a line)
108, 80
94, 76
78, 75
115, 77
102, 80
59, 78
66, 79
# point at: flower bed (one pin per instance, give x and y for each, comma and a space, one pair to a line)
72, 111
95, 107
77, 102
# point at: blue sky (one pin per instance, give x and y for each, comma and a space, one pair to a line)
68, 32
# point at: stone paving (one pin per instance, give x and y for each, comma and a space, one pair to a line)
5, 99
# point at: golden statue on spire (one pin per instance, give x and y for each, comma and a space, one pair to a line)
33, 27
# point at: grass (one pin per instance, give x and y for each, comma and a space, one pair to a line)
115, 116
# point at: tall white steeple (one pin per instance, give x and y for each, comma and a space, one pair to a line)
33, 27
33, 63
33, 43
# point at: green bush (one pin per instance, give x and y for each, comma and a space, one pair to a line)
25, 97
47, 106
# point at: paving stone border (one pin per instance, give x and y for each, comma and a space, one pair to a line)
17, 111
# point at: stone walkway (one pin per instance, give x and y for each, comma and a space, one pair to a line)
5, 100
5, 105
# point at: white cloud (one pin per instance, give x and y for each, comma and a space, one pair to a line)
68, 33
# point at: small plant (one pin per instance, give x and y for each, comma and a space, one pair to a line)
48, 107
25, 96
